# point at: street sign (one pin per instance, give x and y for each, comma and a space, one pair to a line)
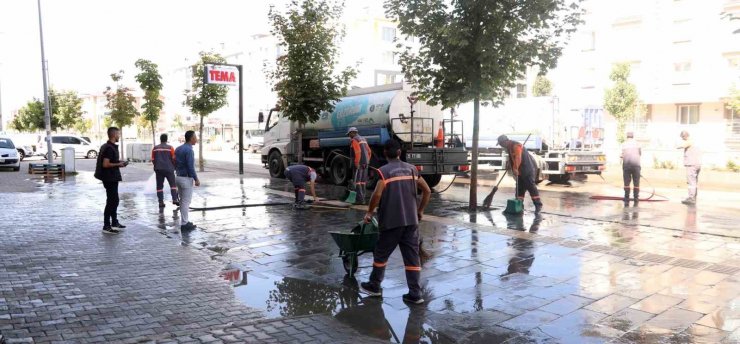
222, 75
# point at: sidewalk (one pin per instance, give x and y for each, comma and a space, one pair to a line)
61, 279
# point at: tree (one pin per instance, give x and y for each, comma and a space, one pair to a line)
475, 50
204, 99
121, 104
151, 82
621, 101
733, 102
304, 78
66, 112
83, 126
66, 106
542, 86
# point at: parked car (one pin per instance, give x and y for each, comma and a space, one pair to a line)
254, 140
82, 147
8, 154
24, 151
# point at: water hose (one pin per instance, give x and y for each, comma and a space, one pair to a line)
238, 206
618, 198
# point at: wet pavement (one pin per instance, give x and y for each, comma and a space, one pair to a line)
582, 272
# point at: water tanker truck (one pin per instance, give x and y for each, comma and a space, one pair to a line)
379, 113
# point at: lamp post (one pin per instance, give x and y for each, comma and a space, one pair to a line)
47, 114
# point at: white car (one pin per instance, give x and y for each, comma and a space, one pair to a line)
83, 148
8, 154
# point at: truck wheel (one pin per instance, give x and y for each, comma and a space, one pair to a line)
432, 179
275, 162
559, 178
539, 176
340, 170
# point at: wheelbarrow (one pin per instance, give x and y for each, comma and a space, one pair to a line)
361, 239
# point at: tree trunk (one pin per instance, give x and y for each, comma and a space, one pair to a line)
121, 148
300, 143
621, 124
473, 204
154, 135
201, 163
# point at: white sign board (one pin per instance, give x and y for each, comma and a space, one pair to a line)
222, 75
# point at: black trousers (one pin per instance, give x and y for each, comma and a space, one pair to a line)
407, 238
170, 176
111, 203
526, 183
631, 175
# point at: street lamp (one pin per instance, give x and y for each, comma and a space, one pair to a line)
47, 115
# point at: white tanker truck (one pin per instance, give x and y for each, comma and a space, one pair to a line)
379, 113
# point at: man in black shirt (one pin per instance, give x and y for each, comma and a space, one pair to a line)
108, 171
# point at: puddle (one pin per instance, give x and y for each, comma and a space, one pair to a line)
290, 297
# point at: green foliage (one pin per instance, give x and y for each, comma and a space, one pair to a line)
621, 100
66, 112
83, 126
151, 83
542, 86
305, 78
476, 50
732, 166
663, 164
204, 99
121, 103
733, 103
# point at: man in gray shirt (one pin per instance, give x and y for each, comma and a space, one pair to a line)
692, 162
631, 154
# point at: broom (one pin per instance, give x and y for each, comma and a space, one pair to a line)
487, 201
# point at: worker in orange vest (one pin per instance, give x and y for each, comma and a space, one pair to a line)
360, 155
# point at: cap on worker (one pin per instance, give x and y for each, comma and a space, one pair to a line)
501, 139
630, 135
312, 175
351, 129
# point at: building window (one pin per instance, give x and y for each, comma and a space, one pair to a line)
684, 66
733, 121
389, 34
521, 91
589, 41
389, 58
687, 113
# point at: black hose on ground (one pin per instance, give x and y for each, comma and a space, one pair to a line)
618, 198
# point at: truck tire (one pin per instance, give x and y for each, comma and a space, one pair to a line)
432, 179
340, 170
275, 164
559, 178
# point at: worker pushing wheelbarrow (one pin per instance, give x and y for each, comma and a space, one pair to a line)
399, 213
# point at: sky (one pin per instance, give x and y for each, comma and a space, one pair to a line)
87, 40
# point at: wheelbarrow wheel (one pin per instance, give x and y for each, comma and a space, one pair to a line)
349, 261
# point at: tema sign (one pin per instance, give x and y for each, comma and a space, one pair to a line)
221, 75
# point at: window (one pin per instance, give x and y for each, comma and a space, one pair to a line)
521, 91
389, 34
687, 113
74, 141
389, 58
6, 143
273, 120
58, 139
589, 41
683, 66
733, 121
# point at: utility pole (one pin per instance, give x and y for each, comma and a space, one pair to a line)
47, 109
1, 97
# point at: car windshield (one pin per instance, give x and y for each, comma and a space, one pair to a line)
6, 143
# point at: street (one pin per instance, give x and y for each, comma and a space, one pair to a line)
581, 272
